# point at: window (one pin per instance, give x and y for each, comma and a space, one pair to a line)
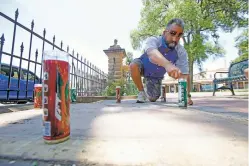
220, 75
31, 76
15, 73
5, 71
37, 79
24, 74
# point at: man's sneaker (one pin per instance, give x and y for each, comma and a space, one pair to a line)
141, 97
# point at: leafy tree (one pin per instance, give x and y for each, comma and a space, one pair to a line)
242, 45
131, 88
129, 58
111, 87
127, 87
203, 19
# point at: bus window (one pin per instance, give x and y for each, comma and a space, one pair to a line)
5, 71
14, 72
31, 75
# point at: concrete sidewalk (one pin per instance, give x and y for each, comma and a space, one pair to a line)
106, 133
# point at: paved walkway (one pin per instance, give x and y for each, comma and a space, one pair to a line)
106, 133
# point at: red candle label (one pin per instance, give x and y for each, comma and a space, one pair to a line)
56, 100
38, 97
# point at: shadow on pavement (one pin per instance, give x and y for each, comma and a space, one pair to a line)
96, 125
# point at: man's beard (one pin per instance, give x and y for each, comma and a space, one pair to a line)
172, 45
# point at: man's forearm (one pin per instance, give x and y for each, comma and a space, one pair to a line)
157, 58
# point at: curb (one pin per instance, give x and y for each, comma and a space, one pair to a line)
15, 108
91, 99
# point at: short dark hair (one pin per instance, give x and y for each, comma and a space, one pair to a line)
176, 21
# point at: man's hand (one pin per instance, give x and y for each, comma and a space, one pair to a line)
173, 71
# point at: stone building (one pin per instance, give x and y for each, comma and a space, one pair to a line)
115, 54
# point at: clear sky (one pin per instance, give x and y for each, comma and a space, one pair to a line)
87, 26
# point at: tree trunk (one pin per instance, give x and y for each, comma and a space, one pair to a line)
191, 71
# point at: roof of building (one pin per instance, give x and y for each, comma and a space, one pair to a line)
215, 70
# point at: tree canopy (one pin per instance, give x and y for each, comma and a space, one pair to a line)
203, 19
242, 46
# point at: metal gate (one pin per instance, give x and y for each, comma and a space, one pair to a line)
17, 80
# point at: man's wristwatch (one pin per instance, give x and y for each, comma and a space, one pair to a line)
189, 95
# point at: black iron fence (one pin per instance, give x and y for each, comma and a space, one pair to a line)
17, 81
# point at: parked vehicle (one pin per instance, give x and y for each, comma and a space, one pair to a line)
4, 75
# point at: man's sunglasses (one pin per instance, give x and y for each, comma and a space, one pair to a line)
173, 33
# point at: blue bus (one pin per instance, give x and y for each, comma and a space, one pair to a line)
4, 75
